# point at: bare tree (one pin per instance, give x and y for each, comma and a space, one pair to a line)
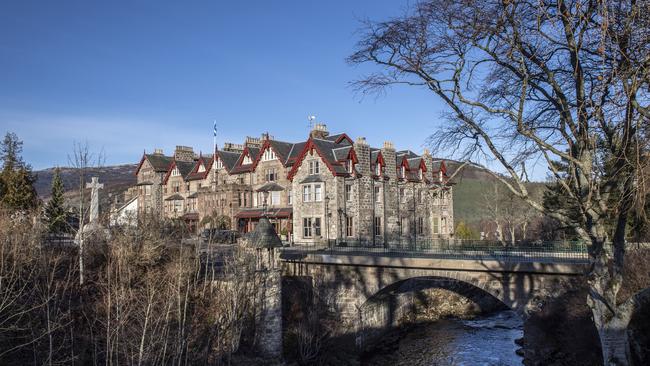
528, 81
82, 159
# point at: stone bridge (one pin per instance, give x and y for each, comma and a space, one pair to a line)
371, 292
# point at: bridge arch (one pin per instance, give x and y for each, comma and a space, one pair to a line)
426, 298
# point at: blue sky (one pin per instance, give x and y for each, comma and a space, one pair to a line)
133, 75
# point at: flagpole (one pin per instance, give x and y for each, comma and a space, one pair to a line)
214, 138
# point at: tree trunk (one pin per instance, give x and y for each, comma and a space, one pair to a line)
610, 319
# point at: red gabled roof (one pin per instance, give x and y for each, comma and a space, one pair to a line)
144, 157
169, 172
344, 137
311, 146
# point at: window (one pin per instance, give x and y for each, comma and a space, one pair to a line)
349, 231
378, 169
306, 227
147, 190
218, 164
378, 194
402, 195
271, 175
420, 175
289, 197
247, 160
420, 226
349, 166
176, 172
317, 229
311, 227
187, 187
275, 198
318, 193
403, 226
443, 225
436, 226
377, 226
403, 172
269, 154
348, 192
201, 169
314, 167
306, 193
421, 196
176, 187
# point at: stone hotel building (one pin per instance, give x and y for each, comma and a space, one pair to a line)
328, 187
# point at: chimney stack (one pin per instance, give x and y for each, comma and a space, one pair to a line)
319, 131
184, 153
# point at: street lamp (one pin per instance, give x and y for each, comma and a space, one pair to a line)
327, 213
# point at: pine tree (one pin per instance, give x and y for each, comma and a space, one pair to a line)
55, 213
16, 179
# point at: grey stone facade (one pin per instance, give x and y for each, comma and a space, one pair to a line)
327, 188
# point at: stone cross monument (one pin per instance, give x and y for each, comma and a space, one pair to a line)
95, 186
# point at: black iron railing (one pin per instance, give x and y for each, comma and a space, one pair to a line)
454, 249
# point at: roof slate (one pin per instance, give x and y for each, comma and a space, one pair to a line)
160, 163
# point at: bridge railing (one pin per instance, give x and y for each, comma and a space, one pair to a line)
458, 249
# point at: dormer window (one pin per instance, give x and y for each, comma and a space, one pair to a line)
420, 175
269, 154
218, 164
176, 172
201, 168
349, 166
247, 160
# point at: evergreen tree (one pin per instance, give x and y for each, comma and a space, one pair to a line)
55, 213
16, 179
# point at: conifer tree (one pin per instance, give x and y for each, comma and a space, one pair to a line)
16, 179
55, 213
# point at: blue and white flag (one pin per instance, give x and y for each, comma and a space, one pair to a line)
215, 128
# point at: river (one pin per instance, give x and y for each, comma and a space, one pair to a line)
487, 340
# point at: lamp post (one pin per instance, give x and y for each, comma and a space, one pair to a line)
327, 213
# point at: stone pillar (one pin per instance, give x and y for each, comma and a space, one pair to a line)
268, 334
269, 315
365, 214
391, 195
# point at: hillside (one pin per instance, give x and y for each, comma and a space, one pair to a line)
116, 179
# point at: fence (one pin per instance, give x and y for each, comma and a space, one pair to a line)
455, 249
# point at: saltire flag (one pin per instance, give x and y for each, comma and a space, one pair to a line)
215, 128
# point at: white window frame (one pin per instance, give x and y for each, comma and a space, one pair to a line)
306, 193
314, 167
269, 155
318, 193
307, 227
247, 160
348, 192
